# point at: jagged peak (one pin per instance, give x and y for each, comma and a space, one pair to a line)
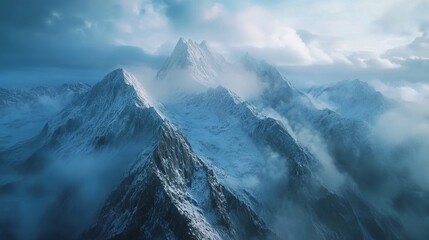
120, 75
185, 48
182, 43
189, 43
190, 53
202, 63
121, 83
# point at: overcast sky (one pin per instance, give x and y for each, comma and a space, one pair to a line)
51, 41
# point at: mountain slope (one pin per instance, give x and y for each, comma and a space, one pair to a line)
252, 153
350, 144
173, 195
232, 135
343, 135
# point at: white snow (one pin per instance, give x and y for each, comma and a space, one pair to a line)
217, 135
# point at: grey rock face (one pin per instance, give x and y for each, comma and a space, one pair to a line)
174, 195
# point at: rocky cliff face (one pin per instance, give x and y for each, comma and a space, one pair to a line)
172, 194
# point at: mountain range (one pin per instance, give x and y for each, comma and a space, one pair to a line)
186, 157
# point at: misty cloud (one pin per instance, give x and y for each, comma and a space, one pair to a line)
328, 174
61, 199
390, 167
242, 82
406, 127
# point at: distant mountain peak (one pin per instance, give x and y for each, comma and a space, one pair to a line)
184, 53
199, 61
188, 45
351, 98
354, 85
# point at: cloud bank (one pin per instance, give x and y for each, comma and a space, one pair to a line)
54, 41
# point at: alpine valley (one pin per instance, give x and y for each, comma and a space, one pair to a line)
207, 149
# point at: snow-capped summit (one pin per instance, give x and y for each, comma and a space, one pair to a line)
192, 60
121, 84
112, 111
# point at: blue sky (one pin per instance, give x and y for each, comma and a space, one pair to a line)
49, 41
